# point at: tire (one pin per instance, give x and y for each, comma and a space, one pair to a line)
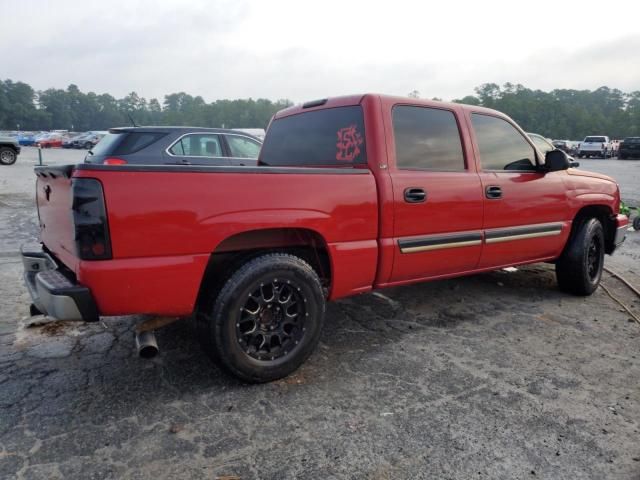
636, 224
579, 268
267, 318
88, 146
8, 156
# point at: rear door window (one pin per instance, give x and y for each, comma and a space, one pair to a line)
427, 139
331, 137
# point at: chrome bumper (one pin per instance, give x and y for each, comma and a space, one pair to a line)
622, 225
621, 234
52, 292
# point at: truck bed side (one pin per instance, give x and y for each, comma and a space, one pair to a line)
166, 222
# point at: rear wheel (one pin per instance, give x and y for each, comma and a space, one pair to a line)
8, 156
267, 318
579, 269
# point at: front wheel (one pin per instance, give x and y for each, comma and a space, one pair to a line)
267, 318
8, 156
579, 269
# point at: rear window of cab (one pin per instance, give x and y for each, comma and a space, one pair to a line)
332, 137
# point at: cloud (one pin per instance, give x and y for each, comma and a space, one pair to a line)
298, 50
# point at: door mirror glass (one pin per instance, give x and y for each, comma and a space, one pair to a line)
556, 160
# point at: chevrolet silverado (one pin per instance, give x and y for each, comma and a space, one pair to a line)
350, 194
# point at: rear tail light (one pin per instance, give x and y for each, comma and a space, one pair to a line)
115, 161
90, 220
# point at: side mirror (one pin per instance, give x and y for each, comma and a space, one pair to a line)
556, 160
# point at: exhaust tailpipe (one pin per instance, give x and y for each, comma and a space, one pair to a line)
146, 344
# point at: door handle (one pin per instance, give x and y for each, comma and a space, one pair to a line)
493, 192
414, 195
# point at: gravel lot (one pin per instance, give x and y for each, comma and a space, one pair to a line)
492, 376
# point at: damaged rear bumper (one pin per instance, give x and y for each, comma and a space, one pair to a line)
53, 292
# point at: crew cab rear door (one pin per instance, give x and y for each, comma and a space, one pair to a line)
436, 193
524, 207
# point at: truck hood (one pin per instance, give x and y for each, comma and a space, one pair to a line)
586, 173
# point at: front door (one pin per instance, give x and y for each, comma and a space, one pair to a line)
525, 210
437, 195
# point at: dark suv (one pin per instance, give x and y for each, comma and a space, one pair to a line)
175, 145
629, 148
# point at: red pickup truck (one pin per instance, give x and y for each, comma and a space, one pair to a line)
350, 194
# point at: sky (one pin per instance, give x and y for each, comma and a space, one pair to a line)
303, 50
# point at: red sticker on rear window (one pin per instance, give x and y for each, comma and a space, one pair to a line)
349, 141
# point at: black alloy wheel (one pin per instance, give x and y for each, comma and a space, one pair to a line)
266, 318
271, 322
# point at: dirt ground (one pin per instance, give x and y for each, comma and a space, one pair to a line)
498, 375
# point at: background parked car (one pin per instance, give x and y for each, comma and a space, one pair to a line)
9, 150
26, 139
629, 148
564, 145
88, 140
50, 140
68, 142
175, 145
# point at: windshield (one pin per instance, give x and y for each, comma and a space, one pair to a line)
541, 143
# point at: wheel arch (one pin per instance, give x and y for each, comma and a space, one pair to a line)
238, 248
605, 215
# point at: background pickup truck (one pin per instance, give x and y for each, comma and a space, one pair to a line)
9, 150
599, 146
350, 194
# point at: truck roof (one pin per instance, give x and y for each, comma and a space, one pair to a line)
350, 100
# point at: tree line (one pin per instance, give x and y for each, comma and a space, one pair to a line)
564, 113
560, 113
23, 108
